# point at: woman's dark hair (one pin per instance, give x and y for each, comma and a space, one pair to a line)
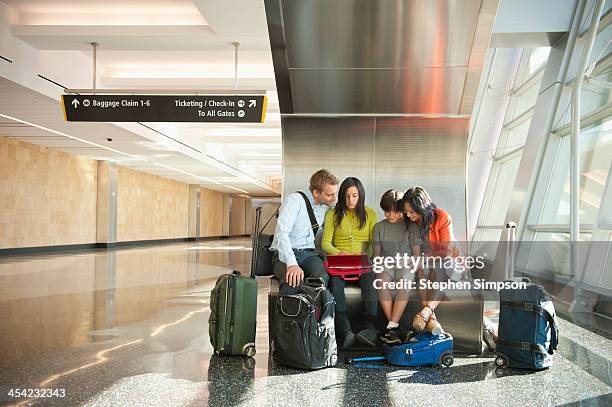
392, 201
421, 203
341, 208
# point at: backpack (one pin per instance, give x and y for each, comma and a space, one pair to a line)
303, 333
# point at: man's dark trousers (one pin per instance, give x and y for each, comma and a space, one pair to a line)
369, 296
309, 260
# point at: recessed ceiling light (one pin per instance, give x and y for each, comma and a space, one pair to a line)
91, 143
259, 154
188, 173
237, 189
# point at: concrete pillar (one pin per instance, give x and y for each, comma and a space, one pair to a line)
249, 216
106, 212
227, 208
194, 212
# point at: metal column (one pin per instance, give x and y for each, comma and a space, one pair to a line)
581, 302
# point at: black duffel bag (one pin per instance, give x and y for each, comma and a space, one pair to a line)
303, 333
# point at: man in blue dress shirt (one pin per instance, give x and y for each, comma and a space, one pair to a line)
295, 257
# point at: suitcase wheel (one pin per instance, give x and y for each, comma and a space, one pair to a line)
248, 364
447, 359
501, 361
250, 351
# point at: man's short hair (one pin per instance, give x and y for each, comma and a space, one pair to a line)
320, 178
391, 201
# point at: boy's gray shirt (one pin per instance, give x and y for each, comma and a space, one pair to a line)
393, 238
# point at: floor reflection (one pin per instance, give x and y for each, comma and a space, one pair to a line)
67, 316
131, 326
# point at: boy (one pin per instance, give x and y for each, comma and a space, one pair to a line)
391, 237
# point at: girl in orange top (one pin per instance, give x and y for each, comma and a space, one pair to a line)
436, 229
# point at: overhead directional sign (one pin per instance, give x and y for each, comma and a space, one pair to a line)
164, 108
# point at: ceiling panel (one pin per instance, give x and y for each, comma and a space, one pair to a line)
419, 90
39, 120
379, 34
378, 56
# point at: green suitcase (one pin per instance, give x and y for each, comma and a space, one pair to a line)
233, 312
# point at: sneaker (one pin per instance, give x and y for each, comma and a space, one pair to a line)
369, 334
391, 337
411, 337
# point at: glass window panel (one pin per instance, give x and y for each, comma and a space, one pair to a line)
594, 92
588, 11
497, 202
596, 157
537, 58
487, 242
517, 136
550, 253
564, 114
592, 96
527, 99
504, 181
602, 45
556, 207
608, 265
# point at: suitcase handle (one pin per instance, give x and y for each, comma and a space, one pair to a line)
258, 212
346, 277
510, 237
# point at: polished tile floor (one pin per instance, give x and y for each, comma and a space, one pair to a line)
129, 327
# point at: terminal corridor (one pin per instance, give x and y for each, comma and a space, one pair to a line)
306, 203
132, 324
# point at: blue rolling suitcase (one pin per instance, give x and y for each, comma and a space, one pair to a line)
528, 328
428, 350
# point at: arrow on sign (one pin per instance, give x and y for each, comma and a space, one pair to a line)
252, 103
75, 103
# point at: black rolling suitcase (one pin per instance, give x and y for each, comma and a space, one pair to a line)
261, 261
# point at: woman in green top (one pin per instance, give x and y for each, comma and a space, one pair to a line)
348, 230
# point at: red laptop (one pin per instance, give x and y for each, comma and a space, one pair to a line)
348, 266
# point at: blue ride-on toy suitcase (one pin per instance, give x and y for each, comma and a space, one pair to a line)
427, 350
